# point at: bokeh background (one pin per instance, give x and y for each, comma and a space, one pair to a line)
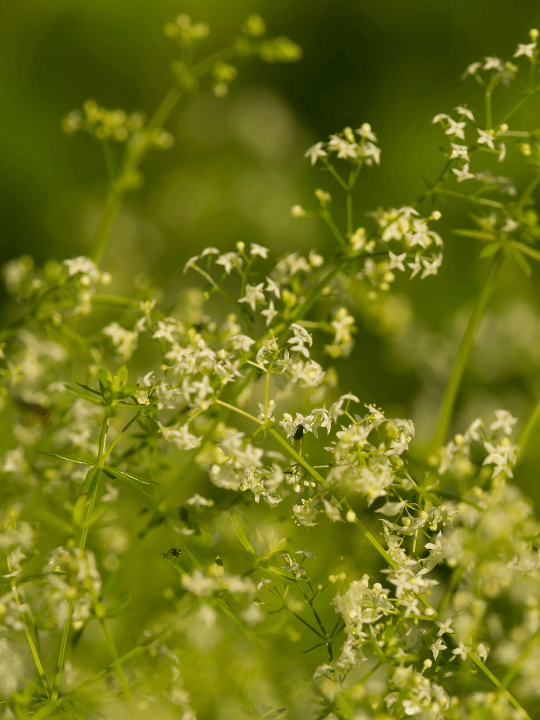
237, 168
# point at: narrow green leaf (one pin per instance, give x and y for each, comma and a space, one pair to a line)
534, 254
194, 560
489, 250
130, 475
127, 479
241, 535
225, 610
94, 392
522, 262
90, 481
476, 234
84, 395
71, 458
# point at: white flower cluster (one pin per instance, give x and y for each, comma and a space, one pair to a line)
347, 146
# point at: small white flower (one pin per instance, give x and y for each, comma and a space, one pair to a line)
460, 151
445, 627
365, 132
431, 266
437, 646
259, 250
272, 286
462, 650
463, 174
439, 117
493, 63
471, 69
485, 137
315, 151
229, 261
270, 313
456, 129
415, 266
464, 111
396, 261
504, 421
242, 342
527, 50
253, 293
502, 152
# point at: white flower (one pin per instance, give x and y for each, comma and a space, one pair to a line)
416, 266
459, 151
471, 69
270, 313
482, 652
272, 286
315, 151
365, 132
229, 261
504, 421
86, 267
259, 250
456, 129
527, 50
485, 136
182, 438
493, 63
301, 337
463, 174
267, 414
345, 149
396, 261
437, 646
502, 152
461, 650
439, 117
445, 627
242, 342
431, 266
253, 293
199, 584
464, 111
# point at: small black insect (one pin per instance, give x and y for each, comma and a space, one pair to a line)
299, 434
173, 552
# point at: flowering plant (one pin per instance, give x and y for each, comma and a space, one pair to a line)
218, 421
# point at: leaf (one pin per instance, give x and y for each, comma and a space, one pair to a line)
172, 561
71, 458
522, 262
84, 395
534, 254
95, 392
45, 710
92, 476
242, 536
221, 605
194, 560
129, 478
476, 234
118, 605
489, 250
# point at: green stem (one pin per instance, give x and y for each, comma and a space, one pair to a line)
464, 353
331, 224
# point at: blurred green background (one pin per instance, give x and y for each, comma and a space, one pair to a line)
237, 168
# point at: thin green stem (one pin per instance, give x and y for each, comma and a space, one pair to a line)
333, 227
488, 108
464, 353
